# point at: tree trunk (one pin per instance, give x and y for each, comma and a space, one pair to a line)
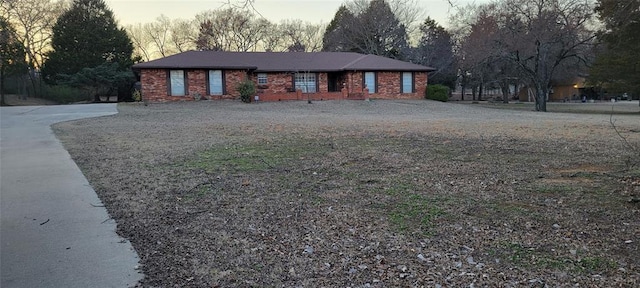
543, 76
32, 80
480, 91
541, 98
462, 92
474, 90
505, 91
2, 103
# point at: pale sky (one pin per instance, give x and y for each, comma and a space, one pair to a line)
315, 11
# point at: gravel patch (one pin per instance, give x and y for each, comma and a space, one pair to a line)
367, 194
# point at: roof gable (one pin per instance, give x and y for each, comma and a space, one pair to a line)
281, 62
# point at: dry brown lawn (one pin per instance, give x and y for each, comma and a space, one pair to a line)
367, 194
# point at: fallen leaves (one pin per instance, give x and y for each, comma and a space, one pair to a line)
295, 198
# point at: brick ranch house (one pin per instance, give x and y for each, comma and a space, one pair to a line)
280, 76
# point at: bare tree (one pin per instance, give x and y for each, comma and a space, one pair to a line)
273, 40
141, 41
247, 33
231, 29
521, 39
12, 58
543, 35
212, 31
475, 29
159, 32
304, 35
410, 15
241, 4
163, 37
183, 35
33, 21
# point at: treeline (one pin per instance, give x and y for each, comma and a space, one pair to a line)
392, 28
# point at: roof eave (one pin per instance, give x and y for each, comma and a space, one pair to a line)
256, 69
296, 70
391, 69
195, 67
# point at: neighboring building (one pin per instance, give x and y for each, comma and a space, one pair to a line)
562, 91
280, 76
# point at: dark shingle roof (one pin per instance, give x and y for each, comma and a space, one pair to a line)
281, 62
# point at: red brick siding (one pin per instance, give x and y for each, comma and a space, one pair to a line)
197, 80
420, 84
276, 83
154, 85
354, 82
323, 83
298, 95
231, 80
279, 85
389, 86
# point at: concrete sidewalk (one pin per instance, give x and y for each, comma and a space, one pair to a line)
53, 230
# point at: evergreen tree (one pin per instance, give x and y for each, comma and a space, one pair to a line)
86, 36
375, 30
381, 32
335, 36
436, 50
617, 67
12, 55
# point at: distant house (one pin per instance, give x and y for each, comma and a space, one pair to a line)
280, 76
571, 89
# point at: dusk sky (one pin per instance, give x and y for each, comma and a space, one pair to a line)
315, 11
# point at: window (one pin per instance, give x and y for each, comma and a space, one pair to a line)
306, 82
407, 82
176, 83
370, 81
262, 79
215, 82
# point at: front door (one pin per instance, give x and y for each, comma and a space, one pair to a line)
335, 81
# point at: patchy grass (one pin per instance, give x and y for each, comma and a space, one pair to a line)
414, 213
520, 255
254, 157
595, 264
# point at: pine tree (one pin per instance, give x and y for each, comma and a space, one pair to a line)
436, 49
86, 36
617, 67
374, 30
334, 38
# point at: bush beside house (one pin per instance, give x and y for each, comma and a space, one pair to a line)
437, 92
246, 89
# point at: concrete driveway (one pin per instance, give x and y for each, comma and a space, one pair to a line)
54, 231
